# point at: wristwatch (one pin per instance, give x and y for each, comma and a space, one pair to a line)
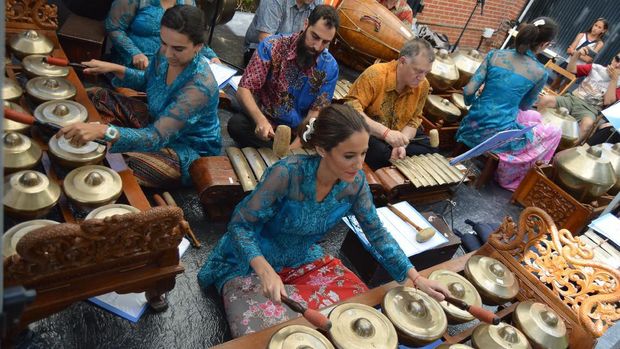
111, 134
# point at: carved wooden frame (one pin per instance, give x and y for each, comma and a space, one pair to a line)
31, 14
558, 269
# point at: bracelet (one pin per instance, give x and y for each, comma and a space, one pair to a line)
385, 133
414, 280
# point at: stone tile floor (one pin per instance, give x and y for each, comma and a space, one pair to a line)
195, 318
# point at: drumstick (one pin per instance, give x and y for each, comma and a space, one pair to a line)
170, 201
314, 317
423, 234
62, 62
30, 120
478, 312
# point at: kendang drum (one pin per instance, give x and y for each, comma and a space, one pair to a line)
368, 32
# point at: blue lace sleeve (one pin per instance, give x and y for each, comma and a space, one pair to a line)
208, 52
395, 261
469, 91
188, 100
256, 209
531, 97
117, 25
134, 79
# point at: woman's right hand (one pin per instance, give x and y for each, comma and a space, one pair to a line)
140, 61
271, 282
96, 66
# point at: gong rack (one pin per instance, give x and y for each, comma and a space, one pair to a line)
134, 254
552, 266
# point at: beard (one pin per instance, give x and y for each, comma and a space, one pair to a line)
306, 56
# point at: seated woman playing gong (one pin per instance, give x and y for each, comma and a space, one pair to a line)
179, 124
271, 248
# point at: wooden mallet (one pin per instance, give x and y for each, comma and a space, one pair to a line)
281, 140
423, 235
168, 200
478, 312
313, 316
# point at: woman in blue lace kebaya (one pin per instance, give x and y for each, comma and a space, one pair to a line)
511, 81
160, 139
271, 247
133, 28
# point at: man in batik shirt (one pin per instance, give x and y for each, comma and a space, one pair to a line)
289, 78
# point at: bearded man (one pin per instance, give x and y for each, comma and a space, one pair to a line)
289, 78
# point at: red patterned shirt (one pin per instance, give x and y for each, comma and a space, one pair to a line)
401, 9
285, 93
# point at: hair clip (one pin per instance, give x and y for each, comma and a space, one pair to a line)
539, 22
309, 130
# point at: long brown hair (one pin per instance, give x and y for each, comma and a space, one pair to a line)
335, 124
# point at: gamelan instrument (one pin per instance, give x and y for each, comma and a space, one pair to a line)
42, 89
368, 32
541, 325
358, 326
12, 236
584, 172
495, 282
564, 121
62, 62
20, 152
419, 178
13, 126
223, 181
417, 317
439, 109
467, 62
444, 73
613, 154
297, 336
460, 288
502, 336
30, 42
38, 65
93, 186
29, 194
11, 91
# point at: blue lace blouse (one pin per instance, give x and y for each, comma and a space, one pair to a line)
282, 221
512, 81
183, 114
133, 27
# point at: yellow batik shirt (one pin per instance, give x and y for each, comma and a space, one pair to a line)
374, 93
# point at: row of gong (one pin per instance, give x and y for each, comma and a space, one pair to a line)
411, 317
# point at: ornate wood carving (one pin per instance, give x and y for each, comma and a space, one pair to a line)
66, 250
31, 12
543, 196
565, 265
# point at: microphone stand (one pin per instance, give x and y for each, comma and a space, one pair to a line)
478, 2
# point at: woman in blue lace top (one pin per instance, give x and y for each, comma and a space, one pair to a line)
160, 139
133, 27
511, 81
271, 244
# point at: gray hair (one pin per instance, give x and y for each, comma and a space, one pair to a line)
414, 47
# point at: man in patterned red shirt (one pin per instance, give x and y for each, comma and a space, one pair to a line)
401, 9
289, 78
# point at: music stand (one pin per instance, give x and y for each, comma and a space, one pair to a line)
495, 142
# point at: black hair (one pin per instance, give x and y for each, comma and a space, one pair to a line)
334, 125
605, 26
186, 19
326, 12
542, 29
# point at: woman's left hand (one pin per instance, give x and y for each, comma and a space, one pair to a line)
82, 133
216, 60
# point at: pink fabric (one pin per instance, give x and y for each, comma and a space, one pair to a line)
513, 165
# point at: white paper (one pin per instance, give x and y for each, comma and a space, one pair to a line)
609, 226
222, 73
613, 115
129, 305
234, 82
401, 231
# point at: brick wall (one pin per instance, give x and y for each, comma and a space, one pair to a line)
449, 17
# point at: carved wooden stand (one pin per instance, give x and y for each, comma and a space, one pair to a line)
68, 262
552, 267
538, 190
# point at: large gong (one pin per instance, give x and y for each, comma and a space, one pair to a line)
225, 10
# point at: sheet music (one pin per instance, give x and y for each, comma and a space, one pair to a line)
234, 82
492, 143
401, 231
222, 73
130, 306
609, 226
613, 115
